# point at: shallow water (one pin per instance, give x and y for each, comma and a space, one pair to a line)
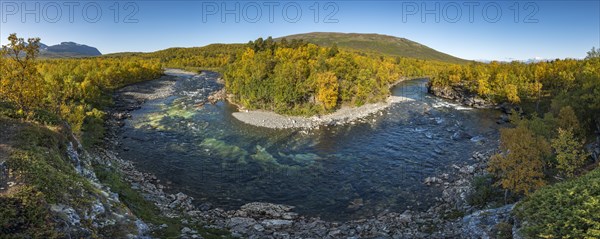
335, 172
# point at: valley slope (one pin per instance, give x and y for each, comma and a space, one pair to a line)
376, 43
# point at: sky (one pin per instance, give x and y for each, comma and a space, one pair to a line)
492, 30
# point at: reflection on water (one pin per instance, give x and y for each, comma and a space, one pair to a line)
336, 172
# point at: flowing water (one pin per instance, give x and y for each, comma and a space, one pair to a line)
336, 172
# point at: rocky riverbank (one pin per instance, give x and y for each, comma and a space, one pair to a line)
446, 219
460, 95
344, 115
266, 220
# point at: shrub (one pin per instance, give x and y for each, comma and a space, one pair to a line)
484, 192
570, 155
569, 209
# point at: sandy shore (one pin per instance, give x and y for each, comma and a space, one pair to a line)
342, 116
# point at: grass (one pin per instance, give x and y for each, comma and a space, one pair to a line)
44, 176
26, 215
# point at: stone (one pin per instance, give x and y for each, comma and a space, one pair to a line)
480, 223
334, 233
240, 224
67, 213
469, 169
281, 235
186, 230
277, 223
460, 135
289, 215
266, 210
258, 227
432, 180
405, 217
205, 206
142, 227
121, 115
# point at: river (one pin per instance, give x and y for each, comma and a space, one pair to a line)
341, 172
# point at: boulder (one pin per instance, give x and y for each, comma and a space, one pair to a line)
276, 223
432, 180
261, 210
241, 224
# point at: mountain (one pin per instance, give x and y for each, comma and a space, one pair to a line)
383, 44
43, 46
68, 49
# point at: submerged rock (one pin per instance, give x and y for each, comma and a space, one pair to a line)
432, 180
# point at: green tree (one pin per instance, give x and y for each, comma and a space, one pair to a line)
570, 155
593, 53
333, 51
567, 120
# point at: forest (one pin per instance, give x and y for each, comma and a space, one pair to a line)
75, 90
300, 78
212, 57
259, 74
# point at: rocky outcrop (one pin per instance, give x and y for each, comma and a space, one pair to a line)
218, 95
459, 94
485, 224
106, 212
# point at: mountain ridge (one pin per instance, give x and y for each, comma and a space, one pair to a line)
67, 49
377, 43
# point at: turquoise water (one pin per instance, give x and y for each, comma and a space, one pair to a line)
335, 172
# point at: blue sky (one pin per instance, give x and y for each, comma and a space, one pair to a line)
494, 30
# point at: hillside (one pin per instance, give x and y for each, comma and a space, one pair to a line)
383, 44
210, 57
